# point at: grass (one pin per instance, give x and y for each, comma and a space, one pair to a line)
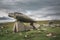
47, 21
29, 35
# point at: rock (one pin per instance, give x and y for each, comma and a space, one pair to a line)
26, 36
2, 27
49, 35
38, 29
36, 25
53, 36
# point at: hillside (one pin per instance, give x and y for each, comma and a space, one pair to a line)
47, 21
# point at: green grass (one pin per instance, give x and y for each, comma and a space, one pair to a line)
31, 35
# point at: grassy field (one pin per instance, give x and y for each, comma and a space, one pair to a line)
46, 22
6, 26
39, 34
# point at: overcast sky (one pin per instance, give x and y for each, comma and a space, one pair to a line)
36, 9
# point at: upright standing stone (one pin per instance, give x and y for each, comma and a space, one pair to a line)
15, 28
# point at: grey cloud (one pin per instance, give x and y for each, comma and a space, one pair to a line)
39, 8
29, 5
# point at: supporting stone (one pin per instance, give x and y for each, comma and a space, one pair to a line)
15, 28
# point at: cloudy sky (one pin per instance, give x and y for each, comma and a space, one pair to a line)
36, 9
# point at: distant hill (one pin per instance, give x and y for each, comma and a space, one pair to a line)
47, 21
